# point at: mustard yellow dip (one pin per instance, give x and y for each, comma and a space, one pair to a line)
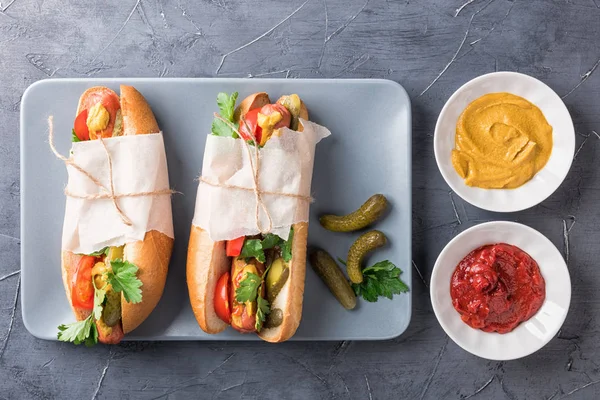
501, 142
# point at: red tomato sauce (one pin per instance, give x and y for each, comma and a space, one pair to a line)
496, 287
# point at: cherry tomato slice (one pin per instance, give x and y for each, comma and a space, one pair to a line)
81, 129
221, 300
250, 121
234, 247
82, 288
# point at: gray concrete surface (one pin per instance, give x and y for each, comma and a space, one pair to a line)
429, 46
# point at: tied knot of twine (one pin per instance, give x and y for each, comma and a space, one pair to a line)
255, 167
109, 192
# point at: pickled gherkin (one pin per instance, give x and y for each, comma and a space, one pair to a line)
365, 243
334, 278
366, 215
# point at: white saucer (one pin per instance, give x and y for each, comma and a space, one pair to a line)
530, 335
545, 182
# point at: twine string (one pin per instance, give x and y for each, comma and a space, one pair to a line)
109, 192
258, 193
124, 217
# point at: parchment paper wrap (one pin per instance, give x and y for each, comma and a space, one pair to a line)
286, 166
139, 165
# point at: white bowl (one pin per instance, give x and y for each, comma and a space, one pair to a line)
546, 181
530, 335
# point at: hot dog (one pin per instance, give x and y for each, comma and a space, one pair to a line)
253, 284
113, 290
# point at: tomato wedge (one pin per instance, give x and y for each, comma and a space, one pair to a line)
234, 247
249, 128
81, 129
221, 300
82, 288
110, 101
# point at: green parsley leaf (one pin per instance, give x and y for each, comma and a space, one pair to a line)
248, 289
100, 252
286, 247
92, 338
123, 279
99, 296
380, 280
74, 137
253, 248
220, 128
262, 310
270, 240
380, 266
226, 105
79, 332
84, 331
342, 261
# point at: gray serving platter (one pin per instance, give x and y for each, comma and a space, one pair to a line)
369, 152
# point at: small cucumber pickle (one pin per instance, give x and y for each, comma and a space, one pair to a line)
334, 278
276, 278
365, 243
367, 214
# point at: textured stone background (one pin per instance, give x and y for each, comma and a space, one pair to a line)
429, 47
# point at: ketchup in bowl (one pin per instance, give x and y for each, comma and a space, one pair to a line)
496, 287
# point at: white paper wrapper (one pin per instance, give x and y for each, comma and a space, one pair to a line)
286, 166
139, 165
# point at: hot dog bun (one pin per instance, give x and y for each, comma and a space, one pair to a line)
207, 261
150, 255
289, 300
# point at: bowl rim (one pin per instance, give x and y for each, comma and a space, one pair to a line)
460, 189
451, 333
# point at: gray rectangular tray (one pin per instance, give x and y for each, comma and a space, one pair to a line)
369, 152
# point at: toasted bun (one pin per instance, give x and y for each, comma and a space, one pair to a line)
150, 255
206, 262
138, 118
303, 111
289, 300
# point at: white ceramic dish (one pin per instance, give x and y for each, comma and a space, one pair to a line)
530, 335
545, 182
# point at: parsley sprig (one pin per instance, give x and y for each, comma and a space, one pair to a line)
84, 331
122, 277
286, 248
253, 248
226, 105
249, 290
381, 279
262, 311
256, 247
79, 332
